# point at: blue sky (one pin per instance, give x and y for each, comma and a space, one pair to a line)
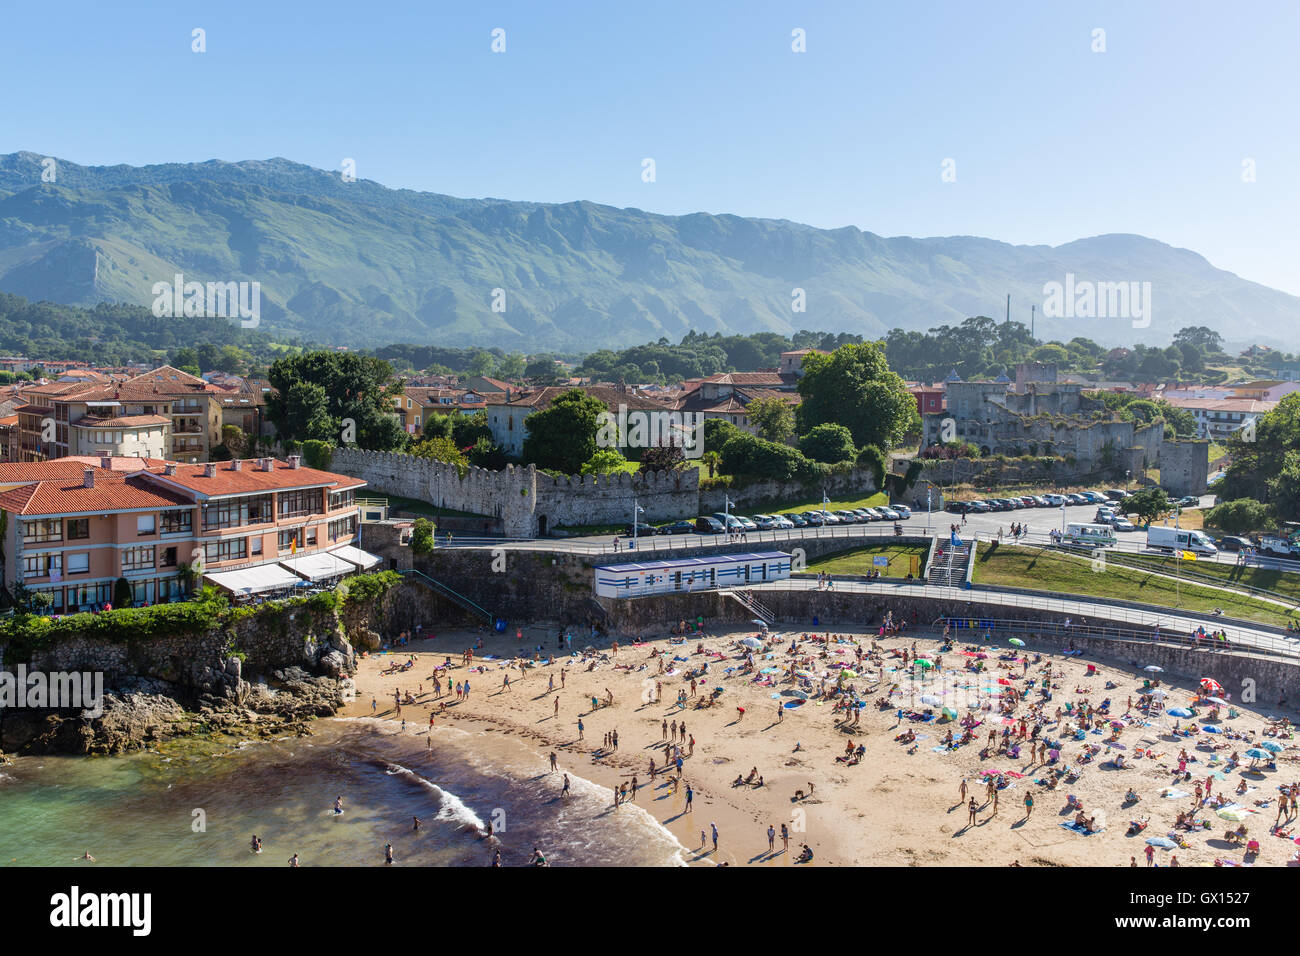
1051, 141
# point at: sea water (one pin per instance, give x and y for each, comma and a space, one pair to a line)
198, 803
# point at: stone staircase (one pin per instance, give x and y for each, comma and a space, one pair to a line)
949, 571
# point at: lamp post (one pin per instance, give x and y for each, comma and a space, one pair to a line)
1127, 476
727, 505
825, 502
927, 509
636, 510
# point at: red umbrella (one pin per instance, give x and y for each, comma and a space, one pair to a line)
1003, 680
1212, 686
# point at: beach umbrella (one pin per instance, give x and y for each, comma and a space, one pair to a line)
1271, 746
950, 713
1180, 712
1212, 728
1004, 681
795, 693
1160, 693
1151, 668
1232, 814
925, 661
848, 673
1213, 686
931, 700
1016, 641
1163, 842
981, 656
1254, 753
1217, 700
808, 674
752, 642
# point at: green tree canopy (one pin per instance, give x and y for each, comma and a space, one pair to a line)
563, 436
828, 442
357, 388
773, 417
853, 386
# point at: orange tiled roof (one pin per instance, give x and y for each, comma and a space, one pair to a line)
70, 496
123, 421
250, 479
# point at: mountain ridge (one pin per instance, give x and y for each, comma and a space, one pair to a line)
357, 263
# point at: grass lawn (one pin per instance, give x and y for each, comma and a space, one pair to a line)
1044, 569
421, 508
1217, 451
1264, 578
858, 560
836, 504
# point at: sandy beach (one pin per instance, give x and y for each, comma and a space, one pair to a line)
900, 803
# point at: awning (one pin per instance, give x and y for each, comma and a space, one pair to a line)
263, 577
362, 559
319, 566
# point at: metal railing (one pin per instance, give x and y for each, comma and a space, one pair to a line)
452, 595
1075, 610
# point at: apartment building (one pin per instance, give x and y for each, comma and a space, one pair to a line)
163, 413
252, 527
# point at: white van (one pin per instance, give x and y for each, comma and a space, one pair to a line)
1100, 535
1055, 500
1170, 539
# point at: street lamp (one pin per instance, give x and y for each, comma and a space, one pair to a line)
927, 509
727, 505
1127, 475
825, 502
636, 510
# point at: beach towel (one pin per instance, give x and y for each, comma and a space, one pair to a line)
1076, 828
1173, 793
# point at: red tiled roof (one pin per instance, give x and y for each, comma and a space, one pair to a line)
123, 421
55, 469
250, 479
747, 378
110, 493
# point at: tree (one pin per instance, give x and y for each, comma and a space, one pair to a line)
829, 443
483, 364
606, 461
772, 417
422, 536
440, 449
752, 457
542, 370
717, 432
1147, 504
122, 596
1206, 339
662, 458
1241, 516
512, 366
854, 387
484, 453
563, 436
711, 461
873, 458
236, 442
359, 389
317, 454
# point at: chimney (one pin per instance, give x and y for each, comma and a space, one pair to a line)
210, 470
90, 478
235, 464
169, 468
295, 461
106, 462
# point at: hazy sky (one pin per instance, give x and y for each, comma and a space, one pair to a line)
1050, 140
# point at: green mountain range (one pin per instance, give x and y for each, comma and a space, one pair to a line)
356, 263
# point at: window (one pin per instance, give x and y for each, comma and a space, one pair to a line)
79, 563
145, 524
42, 530
137, 559
169, 558
229, 549
311, 537
343, 528
78, 528
342, 499
176, 522
42, 565
287, 540
305, 501
255, 544
233, 512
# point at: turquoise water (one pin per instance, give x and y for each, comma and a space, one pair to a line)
198, 803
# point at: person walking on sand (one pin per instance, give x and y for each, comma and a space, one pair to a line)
564, 792
714, 828
580, 728
771, 838
553, 766
785, 839
1029, 805
690, 797
963, 789
1151, 855
973, 807
557, 706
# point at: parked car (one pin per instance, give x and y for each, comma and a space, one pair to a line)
847, 517
798, 520
1040, 501
1234, 543
1104, 515
1123, 524
730, 522
1055, 500
889, 514
867, 514
707, 524
748, 524
679, 527
1189, 501
642, 529
904, 512
814, 518
1029, 501
1116, 494
1094, 497
765, 522
981, 507
782, 522
1276, 545
1075, 499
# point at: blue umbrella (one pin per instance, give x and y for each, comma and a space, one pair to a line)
1180, 712
1212, 728
1272, 746
1254, 753
1164, 842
